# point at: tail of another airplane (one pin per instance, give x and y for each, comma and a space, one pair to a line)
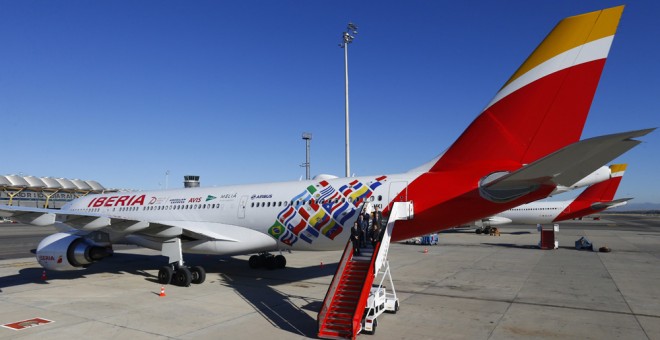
597, 197
605, 190
544, 105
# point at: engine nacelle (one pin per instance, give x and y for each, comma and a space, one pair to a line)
65, 251
492, 221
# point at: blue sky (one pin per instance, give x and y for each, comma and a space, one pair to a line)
121, 91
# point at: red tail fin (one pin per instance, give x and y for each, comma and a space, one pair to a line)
595, 197
544, 105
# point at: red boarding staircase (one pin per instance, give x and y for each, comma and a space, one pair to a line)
344, 305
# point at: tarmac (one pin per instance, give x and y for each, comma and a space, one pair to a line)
467, 287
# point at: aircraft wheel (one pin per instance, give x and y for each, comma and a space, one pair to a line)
165, 275
198, 274
183, 277
478, 231
270, 262
255, 261
280, 261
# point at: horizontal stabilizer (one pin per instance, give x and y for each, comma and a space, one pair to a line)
563, 167
611, 204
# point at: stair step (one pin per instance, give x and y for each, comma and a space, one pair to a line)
345, 301
356, 269
338, 327
341, 310
339, 321
334, 335
348, 292
340, 315
356, 264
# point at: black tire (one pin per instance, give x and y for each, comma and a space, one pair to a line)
478, 231
280, 261
182, 277
198, 274
396, 306
270, 262
165, 275
255, 261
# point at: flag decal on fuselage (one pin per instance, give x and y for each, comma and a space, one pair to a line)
321, 210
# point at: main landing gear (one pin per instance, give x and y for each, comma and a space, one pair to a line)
181, 275
267, 260
176, 273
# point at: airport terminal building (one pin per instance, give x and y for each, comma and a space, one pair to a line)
45, 192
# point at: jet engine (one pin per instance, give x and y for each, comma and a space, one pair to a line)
492, 221
65, 251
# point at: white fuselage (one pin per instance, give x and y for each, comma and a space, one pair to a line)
535, 212
301, 215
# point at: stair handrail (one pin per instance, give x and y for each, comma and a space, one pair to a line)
329, 295
364, 294
400, 211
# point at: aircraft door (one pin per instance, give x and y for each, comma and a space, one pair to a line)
398, 192
241, 206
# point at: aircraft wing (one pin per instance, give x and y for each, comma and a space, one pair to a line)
94, 221
206, 230
34, 216
610, 204
563, 167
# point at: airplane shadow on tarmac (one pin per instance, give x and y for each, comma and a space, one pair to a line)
119, 263
258, 287
511, 245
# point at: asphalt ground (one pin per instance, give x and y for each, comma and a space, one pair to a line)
467, 287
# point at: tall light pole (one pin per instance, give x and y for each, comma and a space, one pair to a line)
167, 178
347, 38
307, 136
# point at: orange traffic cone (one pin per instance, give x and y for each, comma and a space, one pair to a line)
43, 275
162, 291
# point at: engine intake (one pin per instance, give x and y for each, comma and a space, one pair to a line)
65, 251
81, 254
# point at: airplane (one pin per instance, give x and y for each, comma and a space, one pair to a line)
596, 198
519, 149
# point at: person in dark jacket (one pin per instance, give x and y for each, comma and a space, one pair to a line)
374, 234
355, 238
364, 230
377, 217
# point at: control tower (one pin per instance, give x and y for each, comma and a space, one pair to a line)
191, 181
